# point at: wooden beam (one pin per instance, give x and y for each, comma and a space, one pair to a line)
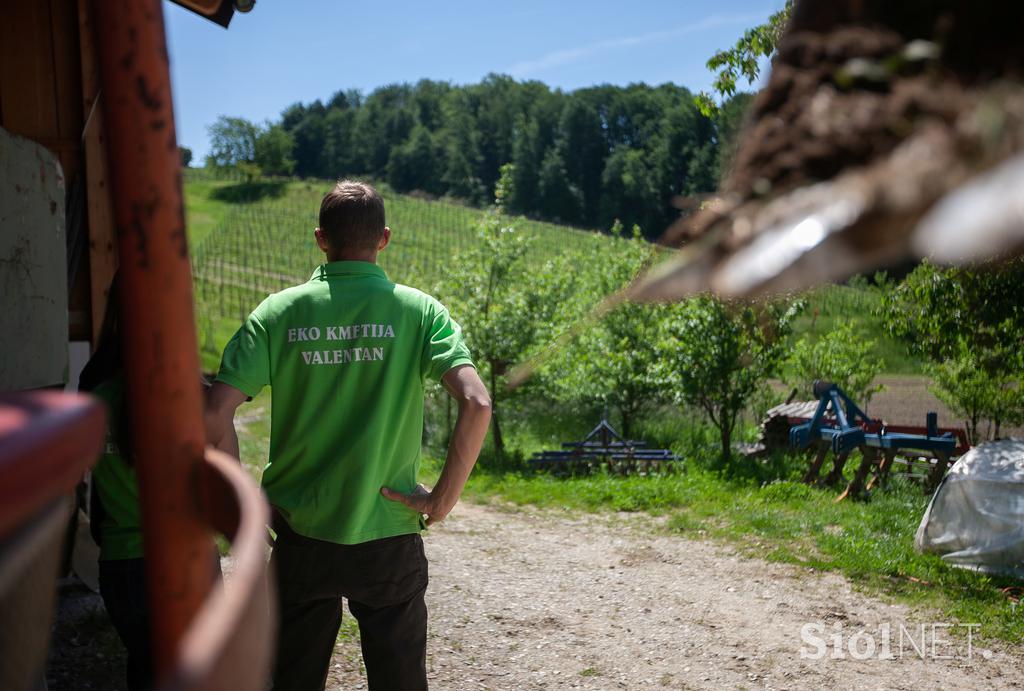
102, 237
27, 70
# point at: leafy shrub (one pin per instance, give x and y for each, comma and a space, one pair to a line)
722, 353
842, 357
975, 393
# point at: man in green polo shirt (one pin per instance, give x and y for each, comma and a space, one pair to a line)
346, 355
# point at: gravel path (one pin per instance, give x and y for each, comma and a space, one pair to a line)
540, 600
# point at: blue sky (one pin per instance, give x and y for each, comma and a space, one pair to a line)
301, 50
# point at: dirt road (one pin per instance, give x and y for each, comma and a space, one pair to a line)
539, 600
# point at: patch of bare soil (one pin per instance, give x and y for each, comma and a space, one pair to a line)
906, 401
543, 600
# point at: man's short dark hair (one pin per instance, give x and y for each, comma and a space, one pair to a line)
352, 216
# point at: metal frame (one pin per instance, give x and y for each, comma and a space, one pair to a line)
838, 424
161, 357
602, 445
47, 441
852, 428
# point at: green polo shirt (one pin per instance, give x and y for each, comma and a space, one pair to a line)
114, 480
346, 355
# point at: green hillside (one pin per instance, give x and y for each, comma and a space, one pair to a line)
832, 305
251, 239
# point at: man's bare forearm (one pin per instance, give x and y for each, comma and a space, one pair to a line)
229, 442
221, 435
463, 450
221, 402
465, 386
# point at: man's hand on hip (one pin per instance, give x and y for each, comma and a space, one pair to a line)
463, 384
420, 500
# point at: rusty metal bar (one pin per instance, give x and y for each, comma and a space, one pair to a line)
47, 442
161, 356
229, 644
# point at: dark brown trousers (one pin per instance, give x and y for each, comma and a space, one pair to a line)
383, 581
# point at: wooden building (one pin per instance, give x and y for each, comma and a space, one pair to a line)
85, 113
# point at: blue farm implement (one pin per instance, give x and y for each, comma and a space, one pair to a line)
603, 448
839, 425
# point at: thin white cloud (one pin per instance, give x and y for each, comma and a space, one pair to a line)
529, 68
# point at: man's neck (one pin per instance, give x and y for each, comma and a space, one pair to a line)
370, 257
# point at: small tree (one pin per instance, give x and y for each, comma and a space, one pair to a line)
616, 362
186, 156
503, 303
965, 387
1009, 405
974, 393
273, 151
842, 357
616, 365
940, 312
969, 322
232, 141
723, 353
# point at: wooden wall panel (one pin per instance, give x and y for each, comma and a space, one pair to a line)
41, 99
27, 70
40, 80
102, 238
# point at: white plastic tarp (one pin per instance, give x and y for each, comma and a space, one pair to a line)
976, 517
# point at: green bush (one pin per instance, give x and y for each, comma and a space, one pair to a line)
721, 354
842, 357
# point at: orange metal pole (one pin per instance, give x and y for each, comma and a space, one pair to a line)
161, 356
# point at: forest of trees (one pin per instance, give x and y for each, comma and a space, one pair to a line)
584, 157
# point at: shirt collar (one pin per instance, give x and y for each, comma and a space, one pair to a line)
348, 268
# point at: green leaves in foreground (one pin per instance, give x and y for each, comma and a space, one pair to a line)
743, 60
